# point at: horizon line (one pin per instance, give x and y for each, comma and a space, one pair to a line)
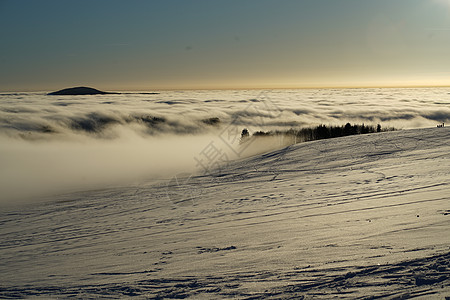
255, 88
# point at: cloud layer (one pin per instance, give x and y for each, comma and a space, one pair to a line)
38, 116
51, 144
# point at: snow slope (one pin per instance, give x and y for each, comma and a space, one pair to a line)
355, 217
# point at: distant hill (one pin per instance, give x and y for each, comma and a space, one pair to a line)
81, 90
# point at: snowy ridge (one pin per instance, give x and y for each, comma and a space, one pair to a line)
355, 217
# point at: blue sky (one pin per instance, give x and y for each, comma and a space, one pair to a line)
144, 45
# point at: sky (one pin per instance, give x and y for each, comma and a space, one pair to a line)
177, 44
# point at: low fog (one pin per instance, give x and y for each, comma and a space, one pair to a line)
34, 170
56, 144
31, 170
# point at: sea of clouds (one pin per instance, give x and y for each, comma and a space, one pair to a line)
52, 144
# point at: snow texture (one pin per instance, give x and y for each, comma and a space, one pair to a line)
356, 217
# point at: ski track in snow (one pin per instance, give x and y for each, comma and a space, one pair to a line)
355, 217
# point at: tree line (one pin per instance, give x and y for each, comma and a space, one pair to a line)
318, 132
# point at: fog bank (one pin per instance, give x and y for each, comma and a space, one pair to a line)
53, 144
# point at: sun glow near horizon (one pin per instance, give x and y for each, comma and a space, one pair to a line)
195, 45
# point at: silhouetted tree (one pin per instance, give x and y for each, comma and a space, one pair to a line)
322, 132
244, 135
347, 129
